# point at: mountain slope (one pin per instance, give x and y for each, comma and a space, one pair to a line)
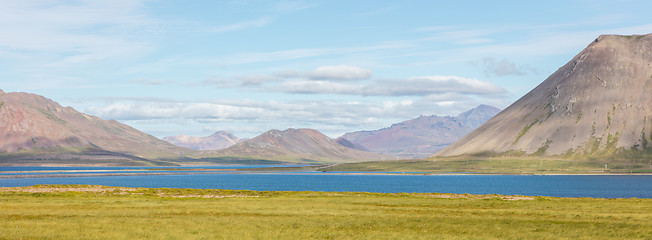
32, 125
349, 144
597, 105
422, 136
216, 141
305, 145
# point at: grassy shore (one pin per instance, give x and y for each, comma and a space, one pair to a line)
85, 212
495, 165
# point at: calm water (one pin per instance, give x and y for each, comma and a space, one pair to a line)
559, 186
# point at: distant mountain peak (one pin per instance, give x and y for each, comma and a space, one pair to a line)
478, 115
422, 136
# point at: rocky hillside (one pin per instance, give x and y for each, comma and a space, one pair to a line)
33, 127
598, 105
216, 141
422, 136
303, 145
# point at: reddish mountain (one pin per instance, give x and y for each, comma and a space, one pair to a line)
35, 129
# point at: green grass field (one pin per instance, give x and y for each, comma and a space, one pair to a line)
494, 165
88, 212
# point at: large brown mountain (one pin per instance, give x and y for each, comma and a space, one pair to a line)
598, 105
216, 141
34, 129
422, 136
303, 145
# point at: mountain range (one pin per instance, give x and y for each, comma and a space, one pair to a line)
35, 130
597, 106
422, 136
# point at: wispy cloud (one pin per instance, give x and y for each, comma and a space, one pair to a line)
258, 79
354, 80
292, 6
493, 67
322, 73
415, 86
299, 53
73, 32
242, 25
340, 72
152, 82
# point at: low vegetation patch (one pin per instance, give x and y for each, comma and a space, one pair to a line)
524, 130
89, 212
501, 165
235, 160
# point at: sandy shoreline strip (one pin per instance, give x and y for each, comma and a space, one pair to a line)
66, 175
108, 173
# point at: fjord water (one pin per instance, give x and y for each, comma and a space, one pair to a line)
601, 186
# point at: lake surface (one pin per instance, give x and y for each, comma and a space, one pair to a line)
602, 186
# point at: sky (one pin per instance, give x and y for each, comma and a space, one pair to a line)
197, 67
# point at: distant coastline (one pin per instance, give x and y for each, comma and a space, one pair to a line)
162, 171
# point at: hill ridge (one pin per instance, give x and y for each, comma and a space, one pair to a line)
34, 124
301, 144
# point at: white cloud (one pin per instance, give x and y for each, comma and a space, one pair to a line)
328, 80
254, 117
333, 116
172, 110
426, 85
341, 72
415, 86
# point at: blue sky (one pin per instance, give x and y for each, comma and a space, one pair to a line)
196, 67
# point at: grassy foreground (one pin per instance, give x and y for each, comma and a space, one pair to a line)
84, 212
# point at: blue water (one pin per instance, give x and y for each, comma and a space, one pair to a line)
605, 186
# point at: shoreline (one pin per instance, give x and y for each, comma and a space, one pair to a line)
263, 169
160, 172
95, 188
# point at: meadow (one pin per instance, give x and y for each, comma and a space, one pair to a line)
84, 212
